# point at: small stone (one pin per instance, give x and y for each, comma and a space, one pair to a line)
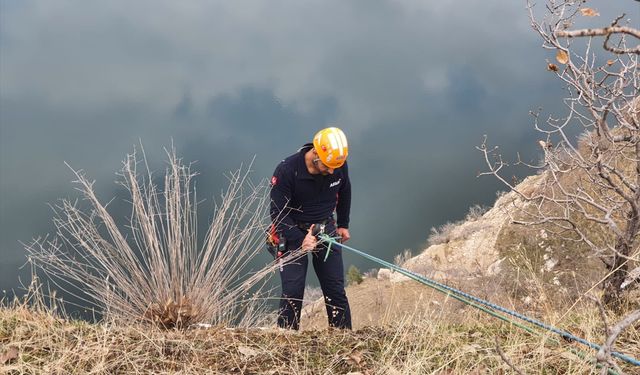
247, 351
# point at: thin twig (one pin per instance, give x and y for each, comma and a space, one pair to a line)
505, 358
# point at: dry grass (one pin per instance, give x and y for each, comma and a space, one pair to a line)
402, 258
153, 268
445, 232
34, 340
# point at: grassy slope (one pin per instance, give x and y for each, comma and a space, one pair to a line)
43, 343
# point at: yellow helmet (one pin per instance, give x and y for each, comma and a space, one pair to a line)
331, 146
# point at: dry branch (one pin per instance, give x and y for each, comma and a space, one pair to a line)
604, 354
589, 190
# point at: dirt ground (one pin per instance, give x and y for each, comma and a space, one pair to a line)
381, 302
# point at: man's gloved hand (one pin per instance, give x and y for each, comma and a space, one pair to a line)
310, 241
344, 234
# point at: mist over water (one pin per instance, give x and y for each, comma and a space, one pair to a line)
414, 85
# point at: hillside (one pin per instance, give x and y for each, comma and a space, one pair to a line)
516, 266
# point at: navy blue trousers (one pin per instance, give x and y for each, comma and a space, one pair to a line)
331, 277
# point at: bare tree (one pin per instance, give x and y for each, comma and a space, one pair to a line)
153, 269
590, 185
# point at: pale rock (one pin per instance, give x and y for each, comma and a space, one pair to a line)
543, 234
550, 263
396, 277
247, 351
384, 274
495, 267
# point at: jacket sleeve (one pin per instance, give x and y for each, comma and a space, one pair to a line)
343, 207
281, 198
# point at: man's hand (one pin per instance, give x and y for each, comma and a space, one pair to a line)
344, 233
310, 241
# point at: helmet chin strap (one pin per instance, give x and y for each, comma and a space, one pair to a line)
315, 160
315, 164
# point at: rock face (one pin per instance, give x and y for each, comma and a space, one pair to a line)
470, 251
468, 255
516, 266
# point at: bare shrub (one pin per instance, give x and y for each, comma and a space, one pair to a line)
402, 258
372, 273
153, 269
475, 212
441, 234
501, 193
444, 233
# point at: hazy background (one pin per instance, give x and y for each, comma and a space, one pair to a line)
414, 84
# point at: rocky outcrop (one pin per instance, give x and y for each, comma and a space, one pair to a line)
470, 251
517, 266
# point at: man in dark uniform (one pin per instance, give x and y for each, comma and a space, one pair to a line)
306, 189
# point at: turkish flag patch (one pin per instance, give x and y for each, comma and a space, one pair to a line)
274, 180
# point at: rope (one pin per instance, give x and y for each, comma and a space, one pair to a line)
465, 297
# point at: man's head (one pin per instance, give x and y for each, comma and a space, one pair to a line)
330, 145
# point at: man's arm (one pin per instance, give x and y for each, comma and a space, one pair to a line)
281, 194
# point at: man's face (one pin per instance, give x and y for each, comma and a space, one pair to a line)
324, 170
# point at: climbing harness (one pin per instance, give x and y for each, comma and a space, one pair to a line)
475, 301
318, 231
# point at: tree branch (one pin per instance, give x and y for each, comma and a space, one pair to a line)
604, 354
606, 32
598, 32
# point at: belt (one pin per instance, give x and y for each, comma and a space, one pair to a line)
305, 226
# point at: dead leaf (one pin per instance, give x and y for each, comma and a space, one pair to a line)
552, 67
10, 354
247, 351
588, 12
562, 57
356, 357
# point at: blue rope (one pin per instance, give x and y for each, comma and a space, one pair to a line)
433, 283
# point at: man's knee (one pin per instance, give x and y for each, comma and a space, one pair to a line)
332, 284
292, 290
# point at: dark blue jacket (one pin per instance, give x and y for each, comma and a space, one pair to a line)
300, 197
